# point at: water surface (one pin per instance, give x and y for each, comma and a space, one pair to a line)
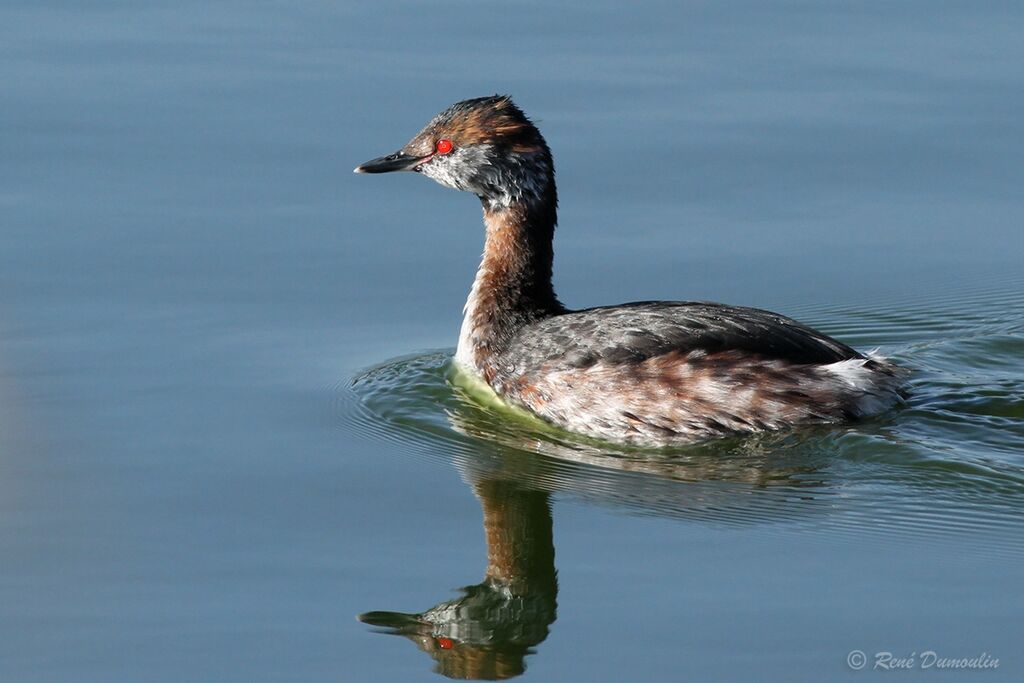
228, 423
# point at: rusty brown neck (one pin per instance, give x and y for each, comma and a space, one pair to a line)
520, 548
513, 284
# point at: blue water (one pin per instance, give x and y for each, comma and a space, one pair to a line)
228, 424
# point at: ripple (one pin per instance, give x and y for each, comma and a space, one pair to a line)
949, 464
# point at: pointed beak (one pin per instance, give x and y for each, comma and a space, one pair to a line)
393, 620
398, 161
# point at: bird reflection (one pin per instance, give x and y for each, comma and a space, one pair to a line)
514, 469
486, 633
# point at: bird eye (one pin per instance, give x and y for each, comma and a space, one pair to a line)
444, 146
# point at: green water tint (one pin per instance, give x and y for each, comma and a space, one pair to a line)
948, 463
194, 488
898, 478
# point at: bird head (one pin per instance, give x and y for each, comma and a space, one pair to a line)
486, 146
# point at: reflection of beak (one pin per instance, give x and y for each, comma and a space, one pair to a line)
398, 621
398, 161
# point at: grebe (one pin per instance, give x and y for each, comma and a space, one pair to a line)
648, 373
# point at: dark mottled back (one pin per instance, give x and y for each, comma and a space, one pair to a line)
634, 332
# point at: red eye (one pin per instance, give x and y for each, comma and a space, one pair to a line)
444, 146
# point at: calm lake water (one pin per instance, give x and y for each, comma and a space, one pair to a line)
228, 424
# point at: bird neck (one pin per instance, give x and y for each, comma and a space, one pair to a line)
520, 542
513, 283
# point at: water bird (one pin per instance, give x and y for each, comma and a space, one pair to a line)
648, 373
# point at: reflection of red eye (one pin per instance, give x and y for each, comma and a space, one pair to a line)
444, 146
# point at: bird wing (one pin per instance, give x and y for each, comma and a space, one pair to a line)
645, 329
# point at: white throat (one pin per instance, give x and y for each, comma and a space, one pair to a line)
468, 337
